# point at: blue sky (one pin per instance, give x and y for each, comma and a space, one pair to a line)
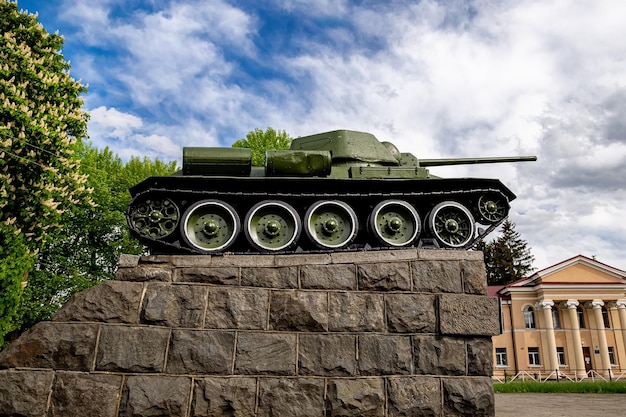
449, 78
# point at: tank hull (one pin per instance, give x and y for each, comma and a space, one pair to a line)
377, 209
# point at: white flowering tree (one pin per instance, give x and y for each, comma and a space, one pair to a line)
41, 125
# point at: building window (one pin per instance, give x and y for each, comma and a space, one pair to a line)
556, 318
605, 318
612, 356
529, 317
533, 356
581, 317
560, 354
501, 357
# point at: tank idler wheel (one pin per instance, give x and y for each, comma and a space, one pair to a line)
210, 226
272, 226
492, 208
154, 217
395, 223
452, 224
331, 224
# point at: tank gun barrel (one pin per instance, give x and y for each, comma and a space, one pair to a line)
471, 161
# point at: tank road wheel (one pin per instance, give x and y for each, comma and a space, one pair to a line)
492, 208
155, 218
210, 226
272, 226
394, 223
330, 224
451, 224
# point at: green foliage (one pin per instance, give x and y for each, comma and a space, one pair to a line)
15, 261
41, 125
597, 387
508, 257
86, 249
62, 202
137, 170
259, 142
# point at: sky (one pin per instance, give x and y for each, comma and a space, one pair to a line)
447, 78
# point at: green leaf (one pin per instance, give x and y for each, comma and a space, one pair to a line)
259, 141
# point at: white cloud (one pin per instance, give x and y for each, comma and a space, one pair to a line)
113, 123
156, 144
439, 79
523, 77
124, 133
161, 56
87, 14
333, 8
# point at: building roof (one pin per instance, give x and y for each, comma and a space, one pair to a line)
590, 272
492, 290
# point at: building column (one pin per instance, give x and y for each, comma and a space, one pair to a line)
546, 305
621, 309
577, 342
596, 305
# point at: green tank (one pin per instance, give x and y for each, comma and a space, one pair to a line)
333, 191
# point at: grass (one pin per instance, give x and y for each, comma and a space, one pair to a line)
598, 387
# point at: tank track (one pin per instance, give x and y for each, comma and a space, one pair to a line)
191, 219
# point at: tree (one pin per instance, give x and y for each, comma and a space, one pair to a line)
62, 202
41, 126
259, 142
508, 257
87, 246
14, 265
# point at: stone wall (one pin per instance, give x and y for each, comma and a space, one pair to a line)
379, 333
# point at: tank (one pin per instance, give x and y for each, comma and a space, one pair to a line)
335, 191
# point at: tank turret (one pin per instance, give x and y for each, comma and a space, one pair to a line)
339, 190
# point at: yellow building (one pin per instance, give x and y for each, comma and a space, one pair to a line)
569, 318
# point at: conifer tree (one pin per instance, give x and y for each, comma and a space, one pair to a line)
508, 257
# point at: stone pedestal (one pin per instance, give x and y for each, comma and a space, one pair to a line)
379, 333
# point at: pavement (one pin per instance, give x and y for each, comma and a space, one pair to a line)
560, 405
